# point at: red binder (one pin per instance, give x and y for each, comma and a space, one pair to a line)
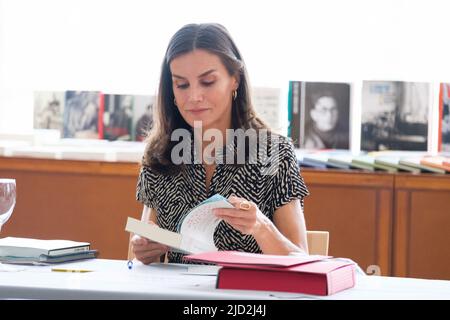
316, 275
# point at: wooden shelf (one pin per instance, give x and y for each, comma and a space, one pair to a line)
76, 200
356, 208
421, 229
70, 166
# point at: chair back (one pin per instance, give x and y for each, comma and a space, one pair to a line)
318, 242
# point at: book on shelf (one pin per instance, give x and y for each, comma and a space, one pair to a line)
94, 114
313, 161
404, 160
195, 232
301, 153
48, 110
142, 116
394, 162
83, 114
437, 162
394, 115
118, 117
344, 161
320, 159
308, 274
267, 104
397, 153
368, 163
294, 103
319, 114
416, 162
444, 117
28, 250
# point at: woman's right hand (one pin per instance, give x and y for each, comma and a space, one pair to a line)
147, 251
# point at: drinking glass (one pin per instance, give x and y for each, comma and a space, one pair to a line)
7, 199
7, 203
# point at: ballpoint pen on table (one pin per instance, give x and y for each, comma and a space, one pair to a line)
130, 264
70, 270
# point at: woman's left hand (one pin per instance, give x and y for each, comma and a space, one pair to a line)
245, 217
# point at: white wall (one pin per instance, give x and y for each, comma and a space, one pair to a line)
118, 46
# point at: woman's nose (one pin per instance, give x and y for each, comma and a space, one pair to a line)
196, 94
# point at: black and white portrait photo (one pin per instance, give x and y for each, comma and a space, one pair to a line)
394, 115
324, 112
81, 114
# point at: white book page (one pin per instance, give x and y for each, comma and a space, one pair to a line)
195, 233
39, 243
198, 227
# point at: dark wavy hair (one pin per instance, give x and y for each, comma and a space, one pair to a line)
215, 39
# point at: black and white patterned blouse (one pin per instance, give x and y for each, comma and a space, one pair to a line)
174, 195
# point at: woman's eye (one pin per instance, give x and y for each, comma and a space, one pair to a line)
182, 86
208, 83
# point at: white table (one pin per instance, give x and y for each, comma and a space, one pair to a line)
111, 279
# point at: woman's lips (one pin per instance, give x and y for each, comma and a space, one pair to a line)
197, 111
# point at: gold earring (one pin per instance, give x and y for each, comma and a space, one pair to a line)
234, 94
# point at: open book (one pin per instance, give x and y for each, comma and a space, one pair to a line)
195, 231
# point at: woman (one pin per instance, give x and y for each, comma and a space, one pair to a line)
204, 83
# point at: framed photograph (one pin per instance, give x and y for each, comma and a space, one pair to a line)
117, 117
142, 116
319, 115
81, 114
444, 117
48, 109
394, 115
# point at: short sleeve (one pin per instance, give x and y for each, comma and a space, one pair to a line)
146, 184
287, 181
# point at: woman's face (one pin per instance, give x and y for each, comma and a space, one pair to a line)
203, 89
325, 114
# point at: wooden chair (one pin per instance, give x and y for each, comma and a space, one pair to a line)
318, 242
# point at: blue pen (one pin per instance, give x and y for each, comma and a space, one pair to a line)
130, 264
